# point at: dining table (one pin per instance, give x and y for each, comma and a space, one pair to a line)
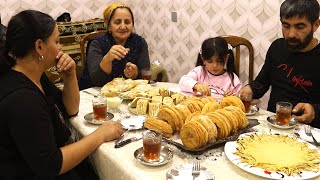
112, 163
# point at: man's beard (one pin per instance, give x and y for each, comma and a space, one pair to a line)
299, 45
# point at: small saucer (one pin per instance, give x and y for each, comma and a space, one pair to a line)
132, 122
166, 155
253, 110
184, 171
90, 118
272, 121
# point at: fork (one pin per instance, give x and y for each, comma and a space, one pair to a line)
195, 169
308, 132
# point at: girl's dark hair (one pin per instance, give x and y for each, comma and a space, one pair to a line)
23, 30
217, 46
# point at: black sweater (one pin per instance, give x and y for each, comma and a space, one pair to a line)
293, 77
31, 132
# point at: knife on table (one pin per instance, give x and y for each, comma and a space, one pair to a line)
127, 141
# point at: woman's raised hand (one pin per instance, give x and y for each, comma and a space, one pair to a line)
65, 64
117, 52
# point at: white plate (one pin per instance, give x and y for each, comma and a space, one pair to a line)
231, 147
253, 110
184, 171
89, 118
132, 122
303, 136
272, 121
166, 155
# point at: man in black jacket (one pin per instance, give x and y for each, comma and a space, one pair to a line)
292, 63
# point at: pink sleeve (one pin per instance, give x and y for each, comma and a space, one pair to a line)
188, 81
237, 84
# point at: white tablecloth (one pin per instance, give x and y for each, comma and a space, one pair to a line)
112, 163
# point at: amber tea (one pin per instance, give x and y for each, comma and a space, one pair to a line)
246, 100
283, 118
247, 105
99, 105
151, 150
99, 111
151, 146
283, 115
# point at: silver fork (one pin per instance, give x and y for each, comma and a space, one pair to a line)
195, 169
308, 132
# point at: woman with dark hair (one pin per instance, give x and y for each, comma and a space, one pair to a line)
33, 133
118, 53
214, 71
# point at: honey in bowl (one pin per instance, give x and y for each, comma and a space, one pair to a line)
114, 102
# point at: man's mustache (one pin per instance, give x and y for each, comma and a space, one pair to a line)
293, 40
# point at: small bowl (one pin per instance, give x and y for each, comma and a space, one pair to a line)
114, 102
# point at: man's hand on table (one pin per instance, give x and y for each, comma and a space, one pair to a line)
307, 112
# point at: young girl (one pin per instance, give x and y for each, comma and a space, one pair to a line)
210, 77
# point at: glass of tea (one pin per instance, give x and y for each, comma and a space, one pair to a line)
246, 99
283, 110
151, 145
146, 74
99, 104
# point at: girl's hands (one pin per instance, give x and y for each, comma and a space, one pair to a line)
131, 71
65, 64
228, 93
202, 88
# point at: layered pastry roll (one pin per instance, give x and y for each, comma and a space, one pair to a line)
164, 92
142, 106
154, 108
178, 98
168, 101
157, 99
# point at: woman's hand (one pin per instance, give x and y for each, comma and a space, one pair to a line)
110, 130
117, 52
65, 64
202, 88
131, 71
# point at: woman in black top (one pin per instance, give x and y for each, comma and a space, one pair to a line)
33, 134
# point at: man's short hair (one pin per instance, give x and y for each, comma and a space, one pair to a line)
300, 8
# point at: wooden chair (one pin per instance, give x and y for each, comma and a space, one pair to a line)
83, 43
236, 42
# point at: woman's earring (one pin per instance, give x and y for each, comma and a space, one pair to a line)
41, 58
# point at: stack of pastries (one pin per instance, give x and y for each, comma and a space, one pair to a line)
151, 105
200, 120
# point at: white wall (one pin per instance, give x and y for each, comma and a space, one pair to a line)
176, 44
